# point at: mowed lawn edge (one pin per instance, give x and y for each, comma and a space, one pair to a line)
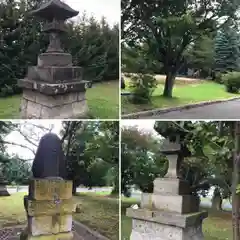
98, 211
187, 93
102, 99
218, 225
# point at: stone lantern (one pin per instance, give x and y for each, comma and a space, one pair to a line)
54, 88
171, 212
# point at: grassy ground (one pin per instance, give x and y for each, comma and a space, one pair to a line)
217, 226
103, 102
184, 92
98, 211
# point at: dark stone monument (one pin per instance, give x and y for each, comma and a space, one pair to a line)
49, 204
171, 211
54, 88
49, 160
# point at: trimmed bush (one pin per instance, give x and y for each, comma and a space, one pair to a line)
142, 87
218, 78
232, 81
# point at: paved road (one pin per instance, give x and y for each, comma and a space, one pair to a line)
226, 110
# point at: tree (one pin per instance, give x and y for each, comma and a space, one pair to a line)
92, 153
227, 51
141, 162
168, 27
200, 55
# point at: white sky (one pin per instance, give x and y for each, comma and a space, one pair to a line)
110, 9
16, 137
144, 125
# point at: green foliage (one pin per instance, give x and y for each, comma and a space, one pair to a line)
141, 162
92, 153
17, 171
232, 81
227, 54
238, 189
142, 87
93, 44
200, 55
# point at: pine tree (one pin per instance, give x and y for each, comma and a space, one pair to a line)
227, 52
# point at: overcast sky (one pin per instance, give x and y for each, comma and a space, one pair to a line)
144, 125
16, 137
110, 9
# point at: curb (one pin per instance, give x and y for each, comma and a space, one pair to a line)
145, 114
89, 231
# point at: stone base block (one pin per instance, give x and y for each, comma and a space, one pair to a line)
60, 236
144, 230
47, 189
54, 59
36, 105
161, 225
179, 204
46, 225
53, 74
173, 186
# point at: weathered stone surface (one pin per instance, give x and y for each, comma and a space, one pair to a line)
53, 89
168, 218
55, 59
49, 160
49, 207
44, 225
146, 201
171, 186
54, 74
45, 189
33, 110
144, 230
59, 236
178, 203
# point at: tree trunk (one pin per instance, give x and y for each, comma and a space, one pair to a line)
217, 201
74, 189
169, 82
235, 182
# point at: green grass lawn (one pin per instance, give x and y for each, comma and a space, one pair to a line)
102, 98
218, 225
98, 211
186, 93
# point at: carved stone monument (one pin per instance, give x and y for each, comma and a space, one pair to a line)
49, 204
171, 212
3, 183
54, 88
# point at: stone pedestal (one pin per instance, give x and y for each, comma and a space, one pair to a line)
49, 208
170, 213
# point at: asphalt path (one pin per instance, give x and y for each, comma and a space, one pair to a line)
223, 110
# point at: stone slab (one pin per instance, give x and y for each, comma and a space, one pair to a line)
171, 186
144, 230
46, 225
47, 189
60, 236
53, 89
54, 59
175, 203
74, 110
49, 207
53, 101
168, 218
55, 74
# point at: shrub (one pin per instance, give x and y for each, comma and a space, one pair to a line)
218, 78
142, 87
232, 81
